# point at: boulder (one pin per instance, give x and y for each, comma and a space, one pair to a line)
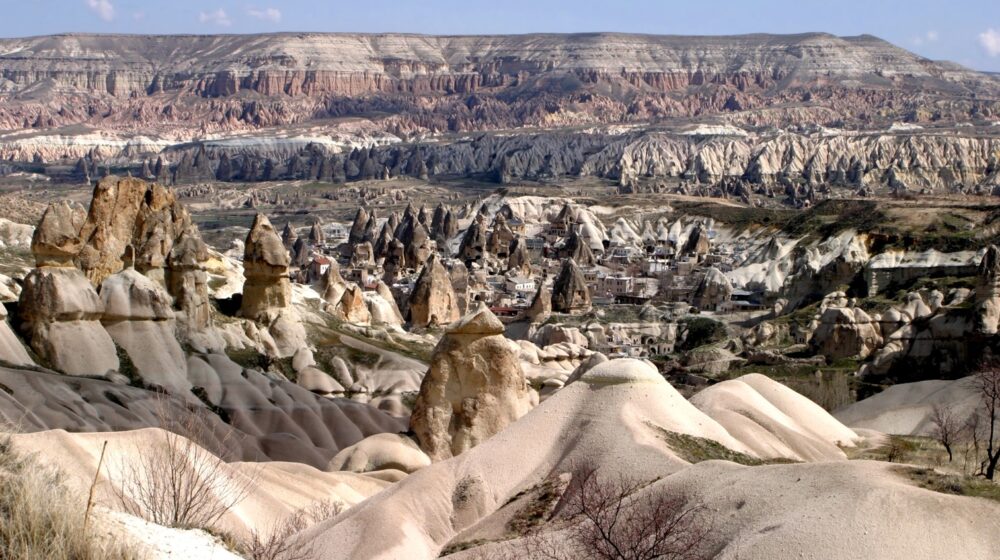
473, 389
56, 240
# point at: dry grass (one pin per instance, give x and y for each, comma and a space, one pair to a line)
40, 518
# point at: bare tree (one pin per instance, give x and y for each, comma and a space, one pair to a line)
986, 382
175, 482
611, 519
946, 427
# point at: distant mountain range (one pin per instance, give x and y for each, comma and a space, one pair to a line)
421, 83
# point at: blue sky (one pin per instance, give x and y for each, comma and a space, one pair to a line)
965, 31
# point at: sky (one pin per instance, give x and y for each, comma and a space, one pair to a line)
963, 31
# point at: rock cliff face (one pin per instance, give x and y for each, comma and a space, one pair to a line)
474, 388
234, 81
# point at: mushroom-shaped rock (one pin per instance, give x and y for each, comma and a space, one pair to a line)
56, 240
265, 265
433, 300
473, 389
187, 279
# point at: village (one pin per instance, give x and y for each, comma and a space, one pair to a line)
560, 270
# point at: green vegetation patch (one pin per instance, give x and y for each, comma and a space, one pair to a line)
957, 485
694, 449
701, 331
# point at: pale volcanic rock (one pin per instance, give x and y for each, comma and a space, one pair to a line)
698, 242
712, 290
541, 305
988, 293
352, 307
577, 249
519, 259
783, 423
11, 349
60, 313
138, 315
473, 389
187, 279
333, 284
433, 301
357, 233
380, 452
124, 212
56, 240
846, 332
383, 311
570, 293
265, 265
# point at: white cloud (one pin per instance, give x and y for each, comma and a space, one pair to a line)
102, 8
138, 16
990, 40
929, 37
218, 17
267, 14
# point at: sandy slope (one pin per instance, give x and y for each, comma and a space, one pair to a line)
842, 510
156, 542
773, 420
612, 417
906, 408
278, 489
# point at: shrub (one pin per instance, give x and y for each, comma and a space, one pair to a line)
275, 543
177, 483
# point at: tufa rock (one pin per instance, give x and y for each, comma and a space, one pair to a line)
473, 389
265, 265
433, 300
570, 293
